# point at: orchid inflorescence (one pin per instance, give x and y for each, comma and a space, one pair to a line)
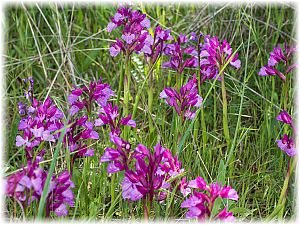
82, 101
41, 122
287, 144
285, 55
27, 187
276, 56
201, 203
214, 56
186, 100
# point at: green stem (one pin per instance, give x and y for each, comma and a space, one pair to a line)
121, 80
178, 81
126, 85
127, 80
225, 117
203, 123
150, 98
112, 188
282, 199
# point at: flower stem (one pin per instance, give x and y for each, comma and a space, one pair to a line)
178, 81
203, 123
126, 93
225, 117
150, 98
146, 212
112, 188
282, 199
126, 85
121, 80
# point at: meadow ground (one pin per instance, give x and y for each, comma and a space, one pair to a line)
64, 45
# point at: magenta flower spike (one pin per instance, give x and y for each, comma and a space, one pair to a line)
156, 45
118, 157
287, 144
135, 37
201, 203
27, 186
144, 180
109, 115
60, 195
40, 122
181, 57
277, 56
96, 92
214, 55
151, 174
186, 100
81, 102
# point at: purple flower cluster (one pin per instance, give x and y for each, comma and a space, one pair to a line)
201, 203
158, 45
214, 55
150, 174
118, 157
29, 92
135, 36
181, 56
41, 123
277, 56
82, 124
109, 115
79, 131
185, 100
287, 144
85, 97
27, 186
60, 194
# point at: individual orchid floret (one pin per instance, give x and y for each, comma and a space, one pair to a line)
22, 108
225, 216
181, 56
285, 118
118, 157
170, 165
184, 189
186, 100
109, 115
287, 145
135, 36
201, 203
277, 56
214, 55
